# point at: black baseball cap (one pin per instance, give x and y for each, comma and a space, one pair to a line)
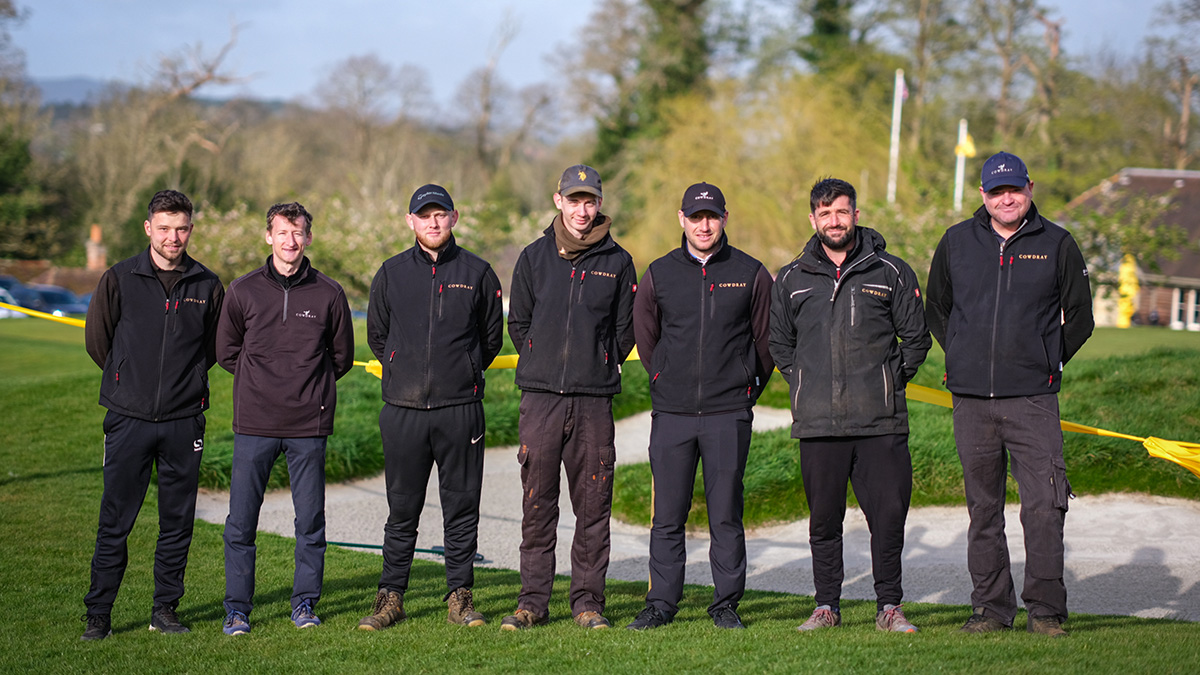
1003, 168
702, 197
430, 194
580, 178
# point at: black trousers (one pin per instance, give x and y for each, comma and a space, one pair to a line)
413, 441
132, 447
575, 433
677, 444
880, 470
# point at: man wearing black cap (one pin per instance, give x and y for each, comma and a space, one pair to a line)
435, 323
570, 318
702, 320
848, 333
1007, 335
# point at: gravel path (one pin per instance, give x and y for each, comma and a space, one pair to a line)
1126, 554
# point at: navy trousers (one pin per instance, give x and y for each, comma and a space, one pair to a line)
132, 448
253, 457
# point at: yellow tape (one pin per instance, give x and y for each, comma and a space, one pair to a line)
78, 323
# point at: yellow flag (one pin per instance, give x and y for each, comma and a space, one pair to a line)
966, 148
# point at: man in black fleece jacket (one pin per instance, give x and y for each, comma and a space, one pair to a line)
1010, 303
286, 336
702, 320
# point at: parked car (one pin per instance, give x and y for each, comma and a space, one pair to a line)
22, 294
7, 297
59, 301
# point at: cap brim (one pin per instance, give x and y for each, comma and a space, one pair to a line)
1009, 181
581, 188
427, 202
700, 208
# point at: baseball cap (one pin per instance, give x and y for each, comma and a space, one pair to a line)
580, 178
702, 197
430, 194
1003, 168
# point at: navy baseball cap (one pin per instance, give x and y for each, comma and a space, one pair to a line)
1003, 168
702, 197
580, 178
430, 194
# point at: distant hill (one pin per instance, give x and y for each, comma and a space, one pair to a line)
71, 90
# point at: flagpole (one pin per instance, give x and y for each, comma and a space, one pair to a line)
894, 154
960, 167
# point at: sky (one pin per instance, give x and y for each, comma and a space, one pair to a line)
284, 48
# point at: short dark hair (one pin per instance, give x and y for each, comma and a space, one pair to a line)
169, 201
826, 190
292, 212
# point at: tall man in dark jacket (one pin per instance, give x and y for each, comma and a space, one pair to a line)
286, 336
1007, 336
702, 320
435, 322
150, 326
570, 317
848, 332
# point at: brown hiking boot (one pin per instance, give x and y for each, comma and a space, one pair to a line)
591, 620
979, 623
1046, 625
462, 608
522, 619
388, 610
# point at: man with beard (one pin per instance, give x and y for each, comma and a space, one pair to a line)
287, 337
570, 318
1007, 336
151, 327
435, 323
702, 318
848, 332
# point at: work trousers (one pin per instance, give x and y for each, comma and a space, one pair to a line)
253, 457
575, 432
132, 447
880, 470
677, 443
988, 433
413, 441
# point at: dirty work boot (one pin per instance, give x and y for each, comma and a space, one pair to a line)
592, 620
822, 617
388, 610
1046, 625
891, 619
522, 619
461, 608
979, 623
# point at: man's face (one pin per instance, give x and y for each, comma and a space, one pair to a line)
288, 241
1008, 204
169, 233
579, 211
835, 224
432, 225
703, 231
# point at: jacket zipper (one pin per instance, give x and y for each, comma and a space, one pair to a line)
995, 318
433, 285
566, 349
700, 341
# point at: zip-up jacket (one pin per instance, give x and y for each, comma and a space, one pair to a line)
435, 326
155, 348
1008, 314
834, 337
703, 330
572, 321
286, 347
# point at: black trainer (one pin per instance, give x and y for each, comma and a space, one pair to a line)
164, 620
649, 618
99, 626
727, 617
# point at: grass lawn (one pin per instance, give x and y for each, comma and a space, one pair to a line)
49, 498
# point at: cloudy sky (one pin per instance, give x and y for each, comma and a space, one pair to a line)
285, 47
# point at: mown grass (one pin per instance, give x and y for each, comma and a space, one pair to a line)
49, 497
1151, 390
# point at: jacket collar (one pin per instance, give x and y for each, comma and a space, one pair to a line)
721, 255
1033, 220
145, 266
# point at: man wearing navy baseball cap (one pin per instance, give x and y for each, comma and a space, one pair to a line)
1007, 337
435, 323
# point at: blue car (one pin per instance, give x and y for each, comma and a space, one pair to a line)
59, 301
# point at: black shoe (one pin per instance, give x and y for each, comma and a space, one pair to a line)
726, 617
649, 618
163, 620
99, 626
